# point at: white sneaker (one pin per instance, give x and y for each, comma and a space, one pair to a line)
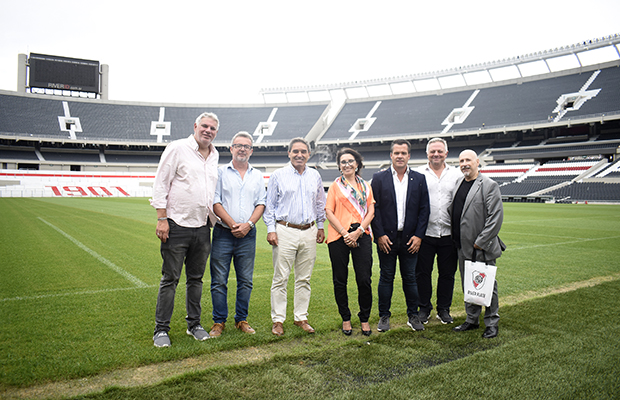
161, 339
199, 333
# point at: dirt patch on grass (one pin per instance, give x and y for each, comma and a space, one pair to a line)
140, 376
515, 299
156, 373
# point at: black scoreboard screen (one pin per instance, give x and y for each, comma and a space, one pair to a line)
62, 73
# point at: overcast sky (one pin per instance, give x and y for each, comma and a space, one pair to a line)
219, 52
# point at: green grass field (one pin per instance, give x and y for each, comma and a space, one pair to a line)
79, 284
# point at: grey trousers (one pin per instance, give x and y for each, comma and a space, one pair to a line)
192, 247
491, 313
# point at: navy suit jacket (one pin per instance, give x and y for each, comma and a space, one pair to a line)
417, 208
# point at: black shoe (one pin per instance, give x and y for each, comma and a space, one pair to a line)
364, 332
347, 332
384, 324
444, 317
466, 326
423, 315
415, 323
490, 332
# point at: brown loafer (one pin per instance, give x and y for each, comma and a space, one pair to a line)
305, 326
216, 329
277, 329
245, 327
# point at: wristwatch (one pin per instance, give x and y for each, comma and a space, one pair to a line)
251, 224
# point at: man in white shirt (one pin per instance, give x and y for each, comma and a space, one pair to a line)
441, 180
183, 195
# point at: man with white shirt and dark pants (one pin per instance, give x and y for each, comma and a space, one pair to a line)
441, 181
183, 195
294, 215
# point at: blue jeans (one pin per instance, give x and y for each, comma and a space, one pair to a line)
192, 246
226, 247
387, 265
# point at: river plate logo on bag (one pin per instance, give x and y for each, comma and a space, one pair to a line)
478, 279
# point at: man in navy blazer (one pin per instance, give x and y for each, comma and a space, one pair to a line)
401, 216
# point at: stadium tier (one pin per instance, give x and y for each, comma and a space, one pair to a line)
485, 108
519, 127
53, 118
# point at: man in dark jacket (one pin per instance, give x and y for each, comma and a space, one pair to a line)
401, 217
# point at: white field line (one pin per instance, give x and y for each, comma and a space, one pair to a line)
256, 276
529, 221
83, 292
157, 372
105, 261
580, 240
537, 234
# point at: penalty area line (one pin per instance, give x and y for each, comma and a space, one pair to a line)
99, 257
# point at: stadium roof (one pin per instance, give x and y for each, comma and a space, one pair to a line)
582, 54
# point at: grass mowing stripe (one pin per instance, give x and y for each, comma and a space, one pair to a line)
121, 383
93, 253
562, 243
83, 292
505, 232
107, 333
86, 292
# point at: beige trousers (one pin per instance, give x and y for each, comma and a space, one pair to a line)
296, 249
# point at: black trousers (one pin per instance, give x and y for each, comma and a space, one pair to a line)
447, 262
362, 265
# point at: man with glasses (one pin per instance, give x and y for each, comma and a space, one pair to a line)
183, 194
294, 215
239, 203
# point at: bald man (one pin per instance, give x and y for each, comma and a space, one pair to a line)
477, 215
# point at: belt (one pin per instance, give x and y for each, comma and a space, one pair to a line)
301, 227
222, 227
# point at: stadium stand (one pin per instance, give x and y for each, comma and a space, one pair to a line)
517, 104
530, 132
38, 117
587, 191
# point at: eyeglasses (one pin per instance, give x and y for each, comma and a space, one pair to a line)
242, 146
347, 162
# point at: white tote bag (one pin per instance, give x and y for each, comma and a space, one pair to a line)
479, 279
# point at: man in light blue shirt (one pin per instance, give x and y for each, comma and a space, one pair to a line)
294, 215
239, 203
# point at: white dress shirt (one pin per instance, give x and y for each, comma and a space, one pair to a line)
440, 192
400, 187
185, 183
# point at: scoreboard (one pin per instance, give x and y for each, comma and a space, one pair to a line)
63, 73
